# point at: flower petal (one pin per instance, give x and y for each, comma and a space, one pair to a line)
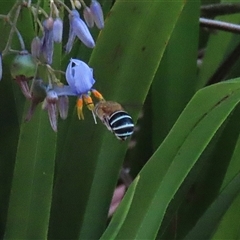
47, 40
63, 106
69, 77
70, 41
51, 106
97, 14
79, 76
36, 47
53, 116
57, 30
80, 29
64, 91
88, 17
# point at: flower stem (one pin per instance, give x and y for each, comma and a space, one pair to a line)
13, 29
220, 9
215, 24
83, 3
64, 5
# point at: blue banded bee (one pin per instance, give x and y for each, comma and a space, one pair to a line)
115, 119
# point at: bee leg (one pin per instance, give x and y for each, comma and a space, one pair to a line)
79, 108
106, 123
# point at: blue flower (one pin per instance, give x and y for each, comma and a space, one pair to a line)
47, 40
79, 77
88, 17
78, 28
53, 102
57, 30
50, 104
97, 14
36, 45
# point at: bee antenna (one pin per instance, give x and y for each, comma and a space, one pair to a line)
94, 117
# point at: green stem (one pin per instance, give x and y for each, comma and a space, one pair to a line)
64, 5
13, 29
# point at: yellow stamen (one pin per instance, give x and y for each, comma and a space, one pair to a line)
97, 95
79, 109
88, 101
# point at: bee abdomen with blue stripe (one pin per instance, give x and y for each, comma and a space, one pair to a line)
113, 116
121, 124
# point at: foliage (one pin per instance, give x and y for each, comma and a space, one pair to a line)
183, 156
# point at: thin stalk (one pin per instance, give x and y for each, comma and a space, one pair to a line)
83, 3
220, 9
13, 29
19, 37
16, 4
219, 25
38, 10
64, 5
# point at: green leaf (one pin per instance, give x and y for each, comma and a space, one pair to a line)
206, 177
207, 223
9, 129
31, 193
175, 81
228, 227
176, 157
32, 183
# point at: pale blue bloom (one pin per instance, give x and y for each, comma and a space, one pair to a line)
88, 17
47, 40
79, 77
57, 30
97, 14
36, 45
50, 104
63, 104
78, 28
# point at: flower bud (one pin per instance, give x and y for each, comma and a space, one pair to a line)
79, 28
51, 106
77, 4
47, 40
57, 30
48, 23
63, 106
88, 17
97, 14
51, 97
36, 47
